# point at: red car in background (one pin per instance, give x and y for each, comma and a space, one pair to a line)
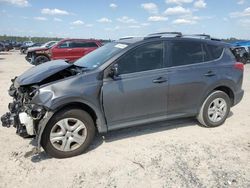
68, 49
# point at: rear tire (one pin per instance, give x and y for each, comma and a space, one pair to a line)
56, 137
215, 109
40, 59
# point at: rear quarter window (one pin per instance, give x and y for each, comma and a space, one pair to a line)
214, 52
229, 55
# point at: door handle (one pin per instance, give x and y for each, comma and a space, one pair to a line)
209, 74
69, 49
160, 80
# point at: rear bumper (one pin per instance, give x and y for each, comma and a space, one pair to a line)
238, 97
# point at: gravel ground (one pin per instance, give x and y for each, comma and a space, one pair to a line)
170, 154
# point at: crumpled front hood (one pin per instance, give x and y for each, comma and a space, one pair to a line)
38, 73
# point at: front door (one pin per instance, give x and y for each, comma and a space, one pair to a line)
140, 91
63, 50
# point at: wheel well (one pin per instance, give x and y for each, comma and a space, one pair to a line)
81, 106
228, 91
37, 55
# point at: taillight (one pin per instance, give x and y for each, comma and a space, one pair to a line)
239, 66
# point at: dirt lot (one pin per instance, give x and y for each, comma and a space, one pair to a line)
173, 154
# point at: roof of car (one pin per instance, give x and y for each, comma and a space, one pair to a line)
66, 39
132, 40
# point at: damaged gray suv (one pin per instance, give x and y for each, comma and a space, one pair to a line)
128, 82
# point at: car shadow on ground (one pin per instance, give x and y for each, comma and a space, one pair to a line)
149, 129
4, 53
129, 132
122, 134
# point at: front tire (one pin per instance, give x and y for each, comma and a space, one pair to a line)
215, 109
40, 59
68, 133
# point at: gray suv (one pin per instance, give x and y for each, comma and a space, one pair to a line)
128, 82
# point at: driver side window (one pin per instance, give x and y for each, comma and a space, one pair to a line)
143, 58
66, 44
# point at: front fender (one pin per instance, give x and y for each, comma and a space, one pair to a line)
81, 89
42, 125
100, 122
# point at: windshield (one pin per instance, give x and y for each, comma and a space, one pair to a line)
100, 56
49, 44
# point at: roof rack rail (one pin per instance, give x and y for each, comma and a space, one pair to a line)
127, 37
200, 36
215, 39
163, 34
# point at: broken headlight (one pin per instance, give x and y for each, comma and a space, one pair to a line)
32, 91
35, 111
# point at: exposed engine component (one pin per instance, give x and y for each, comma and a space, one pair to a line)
25, 115
71, 71
22, 115
7, 120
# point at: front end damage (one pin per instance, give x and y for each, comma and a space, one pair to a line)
23, 115
40, 92
30, 110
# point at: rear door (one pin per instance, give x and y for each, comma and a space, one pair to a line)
81, 48
89, 47
191, 72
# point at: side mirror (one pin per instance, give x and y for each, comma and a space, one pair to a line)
114, 71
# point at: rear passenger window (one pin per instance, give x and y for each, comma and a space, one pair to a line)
214, 51
186, 53
91, 45
84, 45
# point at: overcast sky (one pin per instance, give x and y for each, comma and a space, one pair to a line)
119, 18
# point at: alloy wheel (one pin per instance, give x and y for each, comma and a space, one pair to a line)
217, 110
68, 134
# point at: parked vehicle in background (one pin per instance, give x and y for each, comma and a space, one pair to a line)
2, 47
241, 54
25, 45
24, 48
73, 49
38, 55
68, 49
247, 56
7, 45
122, 84
246, 45
17, 45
